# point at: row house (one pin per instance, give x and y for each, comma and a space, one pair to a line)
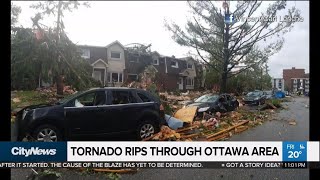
108, 62
114, 65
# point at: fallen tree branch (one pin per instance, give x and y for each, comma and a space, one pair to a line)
188, 128
190, 136
218, 137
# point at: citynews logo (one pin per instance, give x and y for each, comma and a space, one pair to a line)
36, 151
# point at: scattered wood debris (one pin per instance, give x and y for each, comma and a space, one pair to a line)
292, 122
16, 100
210, 136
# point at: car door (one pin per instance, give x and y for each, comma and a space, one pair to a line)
124, 112
232, 101
227, 103
223, 103
85, 116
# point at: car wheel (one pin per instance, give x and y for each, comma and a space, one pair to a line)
47, 133
146, 129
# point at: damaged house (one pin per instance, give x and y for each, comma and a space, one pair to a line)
116, 64
108, 63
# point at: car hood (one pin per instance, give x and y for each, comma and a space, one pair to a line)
37, 106
200, 104
250, 98
41, 110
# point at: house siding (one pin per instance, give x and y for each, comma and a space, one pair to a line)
167, 76
116, 65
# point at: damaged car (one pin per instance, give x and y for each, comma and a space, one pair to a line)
212, 103
255, 98
92, 114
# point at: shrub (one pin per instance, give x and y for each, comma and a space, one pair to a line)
276, 102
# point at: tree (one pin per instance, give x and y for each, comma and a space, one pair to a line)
223, 46
33, 60
34, 55
57, 9
15, 11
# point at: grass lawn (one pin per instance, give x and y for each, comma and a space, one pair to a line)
28, 98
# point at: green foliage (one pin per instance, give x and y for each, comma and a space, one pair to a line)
49, 56
152, 88
49, 174
28, 98
32, 58
276, 102
176, 92
114, 176
167, 109
15, 11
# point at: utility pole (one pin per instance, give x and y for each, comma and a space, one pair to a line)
59, 74
225, 49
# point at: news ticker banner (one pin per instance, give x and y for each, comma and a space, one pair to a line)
125, 165
171, 151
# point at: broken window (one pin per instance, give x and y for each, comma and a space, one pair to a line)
122, 97
116, 77
85, 53
100, 98
143, 97
132, 77
174, 64
189, 81
156, 61
120, 77
115, 55
85, 100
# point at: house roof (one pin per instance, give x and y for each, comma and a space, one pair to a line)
90, 46
115, 42
100, 60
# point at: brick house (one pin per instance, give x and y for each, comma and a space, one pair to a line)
300, 84
114, 64
288, 74
172, 73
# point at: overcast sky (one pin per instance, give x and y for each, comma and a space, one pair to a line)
143, 22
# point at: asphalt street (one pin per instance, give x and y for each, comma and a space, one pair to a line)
277, 129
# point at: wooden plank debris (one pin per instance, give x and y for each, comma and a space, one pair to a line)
226, 130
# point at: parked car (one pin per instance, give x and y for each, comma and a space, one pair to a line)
212, 103
255, 98
269, 94
92, 114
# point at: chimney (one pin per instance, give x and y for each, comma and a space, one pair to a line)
293, 67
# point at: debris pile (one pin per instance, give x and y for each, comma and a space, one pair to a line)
52, 90
165, 134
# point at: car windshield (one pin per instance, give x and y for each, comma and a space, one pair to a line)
64, 100
207, 98
268, 92
254, 93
